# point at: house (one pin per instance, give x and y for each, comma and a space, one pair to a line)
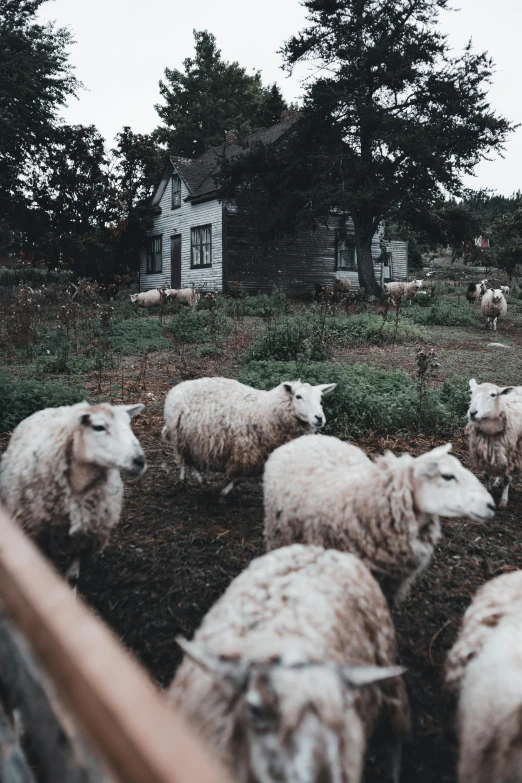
200, 238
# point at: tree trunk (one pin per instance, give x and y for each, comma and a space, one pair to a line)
363, 246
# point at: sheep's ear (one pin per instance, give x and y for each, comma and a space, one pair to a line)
473, 384
133, 410
232, 671
507, 390
326, 388
427, 465
359, 676
288, 386
84, 419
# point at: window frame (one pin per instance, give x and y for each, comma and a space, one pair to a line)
349, 246
193, 229
150, 254
176, 176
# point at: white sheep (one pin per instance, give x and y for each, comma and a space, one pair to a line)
292, 668
495, 431
484, 678
60, 475
319, 490
150, 298
220, 424
493, 306
505, 289
396, 292
475, 290
186, 296
341, 287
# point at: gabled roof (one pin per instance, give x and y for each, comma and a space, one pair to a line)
200, 174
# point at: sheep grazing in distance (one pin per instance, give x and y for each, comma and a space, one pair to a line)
484, 678
494, 432
60, 476
493, 306
505, 289
341, 286
220, 424
185, 296
150, 298
292, 668
396, 292
475, 290
319, 490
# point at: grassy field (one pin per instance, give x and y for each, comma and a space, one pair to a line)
177, 548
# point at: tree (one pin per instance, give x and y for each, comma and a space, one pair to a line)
211, 97
35, 81
390, 119
506, 233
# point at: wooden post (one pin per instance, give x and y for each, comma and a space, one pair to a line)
128, 721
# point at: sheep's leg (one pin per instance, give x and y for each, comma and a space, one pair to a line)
72, 575
497, 482
229, 487
197, 475
487, 479
494, 324
394, 761
182, 471
504, 499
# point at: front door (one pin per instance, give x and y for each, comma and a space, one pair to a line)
175, 261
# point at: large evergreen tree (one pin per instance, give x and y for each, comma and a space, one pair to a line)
391, 118
210, 97
35, 81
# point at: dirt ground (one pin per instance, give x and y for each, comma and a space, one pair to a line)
177, 549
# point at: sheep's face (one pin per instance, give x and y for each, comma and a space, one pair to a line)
418, 284
134, 297
294, 719
306, 400
483, 287
487, 400
497, 296
105, 438
443, 487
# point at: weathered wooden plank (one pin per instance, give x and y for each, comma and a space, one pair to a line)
124, 715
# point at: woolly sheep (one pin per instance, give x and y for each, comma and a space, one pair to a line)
494, 432
186, 296
291, 668
505, 289
484, 677
149, 298
493, 305
475, 290
319, 490
60, 475
341, 285
220, 424
396, 292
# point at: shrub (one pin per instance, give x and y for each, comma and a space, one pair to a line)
370, 328
34, 276
20, 399
211, 351
262, 305
55, 365
444, 313
288, 338
199, 326
137, 335
367, 399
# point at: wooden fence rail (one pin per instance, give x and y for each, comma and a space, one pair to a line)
116, 704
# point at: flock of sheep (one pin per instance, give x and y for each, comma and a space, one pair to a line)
295, 666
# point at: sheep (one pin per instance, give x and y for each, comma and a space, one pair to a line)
396, 292
494, 432
151, 298
291, 669
493, 305
220, 424
505, 289
476, 290
185, 296
60, 476
341, 285
319, 490
484, 677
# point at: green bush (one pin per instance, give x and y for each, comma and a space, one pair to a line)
371, 328
19, 399
444, 313
34, 276
199, 326
210, 351
137, 335
367, 399
288, 338
55, 365
262, 305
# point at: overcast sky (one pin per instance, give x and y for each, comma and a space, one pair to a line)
123, 46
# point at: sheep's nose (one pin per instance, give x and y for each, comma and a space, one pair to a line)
492, 507
473, 414
319, 420
139, 462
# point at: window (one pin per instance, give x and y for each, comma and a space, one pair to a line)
154, 249
176, 191
201, 246
345, 254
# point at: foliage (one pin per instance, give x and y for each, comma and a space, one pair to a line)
210, 97
199, 326
444, 313
367, 399
34, 276
266, 306
21, 398
137, 335
290, 337
507, 235
369, 328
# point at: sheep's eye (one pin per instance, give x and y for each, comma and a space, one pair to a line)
99, 427
298, 397
448, 477
493, 394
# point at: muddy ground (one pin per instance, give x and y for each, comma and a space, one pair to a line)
177, 549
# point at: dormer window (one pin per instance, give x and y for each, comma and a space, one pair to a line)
176, 191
